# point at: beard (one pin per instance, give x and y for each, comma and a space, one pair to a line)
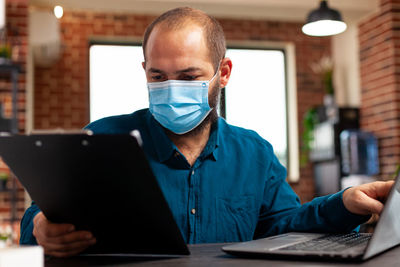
212, 117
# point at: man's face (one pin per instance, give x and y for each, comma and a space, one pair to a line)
179, 55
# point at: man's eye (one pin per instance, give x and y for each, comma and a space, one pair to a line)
156, 77
189, 77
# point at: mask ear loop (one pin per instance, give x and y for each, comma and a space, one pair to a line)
210, 81
215, 75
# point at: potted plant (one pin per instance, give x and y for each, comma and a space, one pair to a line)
3, 180
5, 53
310, 119
6, 235
324, 68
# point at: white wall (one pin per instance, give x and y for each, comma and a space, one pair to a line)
345, 54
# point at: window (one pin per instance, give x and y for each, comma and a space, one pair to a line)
117, 80
260, 94
255, 97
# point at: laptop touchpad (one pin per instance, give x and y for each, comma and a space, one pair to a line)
284, 240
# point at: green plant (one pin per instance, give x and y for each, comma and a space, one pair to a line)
4, 176
324, 67
396, 173
310, 119
6, 235
5, 51
328, 82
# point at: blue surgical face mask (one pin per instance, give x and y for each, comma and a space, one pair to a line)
179, 106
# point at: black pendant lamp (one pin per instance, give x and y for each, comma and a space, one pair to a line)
324, 21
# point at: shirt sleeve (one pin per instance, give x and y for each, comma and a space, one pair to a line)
27, 237
282, 212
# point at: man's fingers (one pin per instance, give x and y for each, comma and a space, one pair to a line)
382, 189
60, 240
368, 198
54, 230
69, 244
48, 229
73, 246
71, 237
371, 205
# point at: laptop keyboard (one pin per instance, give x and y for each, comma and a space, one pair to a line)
332, 242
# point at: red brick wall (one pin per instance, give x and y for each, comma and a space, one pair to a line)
61, 91
379, 37
17, 35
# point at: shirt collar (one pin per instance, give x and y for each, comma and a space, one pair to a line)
165, 148
211, 148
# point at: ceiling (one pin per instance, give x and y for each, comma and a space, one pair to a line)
288, 10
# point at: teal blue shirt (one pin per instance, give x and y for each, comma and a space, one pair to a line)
235, 191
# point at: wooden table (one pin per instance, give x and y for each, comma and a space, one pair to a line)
210, 255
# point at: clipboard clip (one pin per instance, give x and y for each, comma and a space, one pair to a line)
60, 131
138, 137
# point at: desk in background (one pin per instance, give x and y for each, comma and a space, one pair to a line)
211, 255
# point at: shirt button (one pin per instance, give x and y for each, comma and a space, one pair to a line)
193, 211
193, 172
176, 154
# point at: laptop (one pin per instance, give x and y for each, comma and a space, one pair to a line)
99, 183
352, 246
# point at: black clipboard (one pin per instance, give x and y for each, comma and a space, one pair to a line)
100, 183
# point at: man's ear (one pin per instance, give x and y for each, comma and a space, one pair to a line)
225, 71
144, 65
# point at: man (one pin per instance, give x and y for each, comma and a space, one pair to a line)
222, 183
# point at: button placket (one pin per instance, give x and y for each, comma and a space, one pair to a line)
192, 203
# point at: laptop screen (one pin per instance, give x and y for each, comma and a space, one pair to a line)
387, 231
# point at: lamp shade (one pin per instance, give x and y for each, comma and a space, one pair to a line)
324, 21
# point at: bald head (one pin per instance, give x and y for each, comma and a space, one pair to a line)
181, 18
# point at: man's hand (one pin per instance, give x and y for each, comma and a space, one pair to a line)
367, 199
60, 240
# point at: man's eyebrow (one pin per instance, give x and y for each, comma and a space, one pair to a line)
190, 69
155, 70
